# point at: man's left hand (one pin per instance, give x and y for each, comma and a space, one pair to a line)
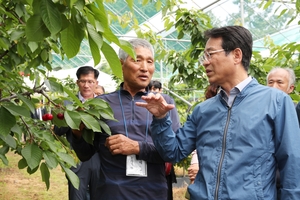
120, 144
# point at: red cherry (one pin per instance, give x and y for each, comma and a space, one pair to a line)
49, 116
44, 117
60, 116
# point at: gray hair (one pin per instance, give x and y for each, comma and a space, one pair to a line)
292, 77
137, 42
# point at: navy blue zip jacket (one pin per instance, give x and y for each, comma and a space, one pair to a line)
114, 184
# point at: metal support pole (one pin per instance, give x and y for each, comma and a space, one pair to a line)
242, 13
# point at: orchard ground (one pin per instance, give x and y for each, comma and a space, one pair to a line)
17, 184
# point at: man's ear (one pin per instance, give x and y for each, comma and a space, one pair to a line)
238, 55
291, 89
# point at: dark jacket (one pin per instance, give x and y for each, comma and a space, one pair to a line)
114, 182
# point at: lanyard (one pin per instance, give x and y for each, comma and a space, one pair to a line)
124, 119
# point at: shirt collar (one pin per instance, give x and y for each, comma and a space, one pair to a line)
81, 98
141, 92
243, 84
240, 86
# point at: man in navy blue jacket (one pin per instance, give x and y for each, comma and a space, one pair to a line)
131, 167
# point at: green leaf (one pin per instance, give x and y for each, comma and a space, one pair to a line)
90, 122
50, 159
44, 55
64, 141
71, 3
105, 127
33, 155
126, 46
32, 171
282, 12
17, 34
53, 146
4, 43
45, 174
4, 159
4, 149
130, 4
73, 119
112, 59
88, 135
94, 112
21, 49
50, 16
94, 35
100, 15
33, 46
72, 177
74, 97
97, 102
27, 102
53, 85
35, 29
71, 38
67, 158
16, 110
9, 140
7, 121
298, 6
107, 115
95, 51
267, 4
22, 163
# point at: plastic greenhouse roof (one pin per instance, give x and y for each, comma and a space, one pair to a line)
222, 12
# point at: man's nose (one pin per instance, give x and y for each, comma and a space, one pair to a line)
205, 63
144, 66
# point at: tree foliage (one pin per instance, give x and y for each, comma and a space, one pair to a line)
31, 32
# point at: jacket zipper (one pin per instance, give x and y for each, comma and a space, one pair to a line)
132, 109
223, 154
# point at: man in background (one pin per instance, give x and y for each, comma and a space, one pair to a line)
99, 90
87, 171
282, 79
155, 86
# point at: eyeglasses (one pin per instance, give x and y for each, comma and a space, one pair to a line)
89, 82
206, 56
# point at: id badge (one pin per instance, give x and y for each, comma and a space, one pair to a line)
135, 167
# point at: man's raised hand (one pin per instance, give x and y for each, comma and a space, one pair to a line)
156, 104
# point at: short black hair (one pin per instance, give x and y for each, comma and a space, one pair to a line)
155, 84
234, 37
84, 70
